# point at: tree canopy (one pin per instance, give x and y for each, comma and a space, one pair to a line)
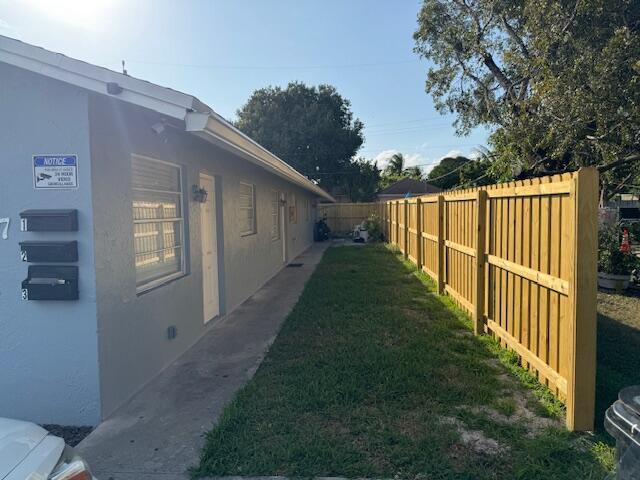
447, 174
311, 128
558, 81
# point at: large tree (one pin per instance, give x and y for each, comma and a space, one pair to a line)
446, 174
361, 180
311, 128
558, 81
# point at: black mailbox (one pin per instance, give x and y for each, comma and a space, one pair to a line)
49, 220
51, 282
49, 251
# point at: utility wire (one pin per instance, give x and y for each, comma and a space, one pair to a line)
271, 67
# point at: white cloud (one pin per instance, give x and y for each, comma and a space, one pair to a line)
416, 158
382, 159
453, 154
410, 159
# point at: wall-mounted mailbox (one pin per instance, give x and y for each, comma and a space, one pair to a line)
51, 282
63, 252
49, 220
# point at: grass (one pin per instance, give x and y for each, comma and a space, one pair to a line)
618, 347
372, 375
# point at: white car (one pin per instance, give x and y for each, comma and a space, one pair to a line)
29, 452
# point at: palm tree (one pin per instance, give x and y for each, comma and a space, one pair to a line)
395, 165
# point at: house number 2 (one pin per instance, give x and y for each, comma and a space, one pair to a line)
4, 226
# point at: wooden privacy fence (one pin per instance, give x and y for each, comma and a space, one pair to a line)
521, 258
342, 217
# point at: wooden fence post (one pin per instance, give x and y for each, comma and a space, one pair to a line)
478, 306
440, 245
583, 293
406, 228
419, 233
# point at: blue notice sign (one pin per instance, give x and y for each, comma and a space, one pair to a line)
55, 171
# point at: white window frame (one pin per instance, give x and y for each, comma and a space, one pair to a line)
152, 284
275, 215
254, 226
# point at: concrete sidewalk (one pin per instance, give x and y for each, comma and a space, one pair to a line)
160, 432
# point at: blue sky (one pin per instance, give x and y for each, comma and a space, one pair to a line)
221, 51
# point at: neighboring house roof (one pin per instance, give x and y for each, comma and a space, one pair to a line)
199, 118
409, 186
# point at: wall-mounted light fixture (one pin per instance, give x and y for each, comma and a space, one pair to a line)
199, 194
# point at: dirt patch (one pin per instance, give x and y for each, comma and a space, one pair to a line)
71, 435
534, 424
476, 440
415, 315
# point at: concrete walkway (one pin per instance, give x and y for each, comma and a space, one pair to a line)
159, 433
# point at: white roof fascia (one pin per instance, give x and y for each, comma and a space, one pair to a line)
91, 77
215, 129
199, 118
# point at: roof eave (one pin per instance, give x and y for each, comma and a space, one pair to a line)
215, 129
93, 78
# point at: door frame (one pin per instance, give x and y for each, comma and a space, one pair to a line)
211, 197
283, 225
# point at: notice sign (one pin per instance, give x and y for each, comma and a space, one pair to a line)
55, 171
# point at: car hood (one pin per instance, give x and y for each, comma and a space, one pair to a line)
17, 439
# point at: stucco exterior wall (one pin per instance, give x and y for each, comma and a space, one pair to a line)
133, 327
48, 349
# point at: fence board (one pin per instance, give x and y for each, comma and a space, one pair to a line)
520, 258
343, 217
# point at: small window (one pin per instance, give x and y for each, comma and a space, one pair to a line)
158, 225
293, 209
275, 215
307, 210
247, 209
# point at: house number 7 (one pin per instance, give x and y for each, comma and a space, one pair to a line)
5, 229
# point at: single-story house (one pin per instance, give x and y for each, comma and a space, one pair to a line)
406, 188
132, 216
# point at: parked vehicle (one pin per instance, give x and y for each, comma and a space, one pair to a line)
28, 451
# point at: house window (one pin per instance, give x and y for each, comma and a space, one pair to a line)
307, 210
247, 209
158, 224
275, 215
293, 209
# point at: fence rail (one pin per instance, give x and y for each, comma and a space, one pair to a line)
521, 258
342, 217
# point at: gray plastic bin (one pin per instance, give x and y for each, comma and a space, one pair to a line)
622, 421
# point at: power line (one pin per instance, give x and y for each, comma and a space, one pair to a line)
397, 131
271, 67
452, 145
415, 120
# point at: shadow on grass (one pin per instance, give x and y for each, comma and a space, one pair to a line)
618, 364
372, 375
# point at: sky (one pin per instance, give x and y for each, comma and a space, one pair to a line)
222, 50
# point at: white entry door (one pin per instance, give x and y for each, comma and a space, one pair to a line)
210, 293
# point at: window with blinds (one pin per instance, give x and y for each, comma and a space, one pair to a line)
247, 209
158, 224
275, 215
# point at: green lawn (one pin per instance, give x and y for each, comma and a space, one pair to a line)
373, 375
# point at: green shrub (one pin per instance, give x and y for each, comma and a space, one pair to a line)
610, 259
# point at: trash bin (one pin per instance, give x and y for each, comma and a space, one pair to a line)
622, 421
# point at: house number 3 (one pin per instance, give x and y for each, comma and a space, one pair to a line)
4, 227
